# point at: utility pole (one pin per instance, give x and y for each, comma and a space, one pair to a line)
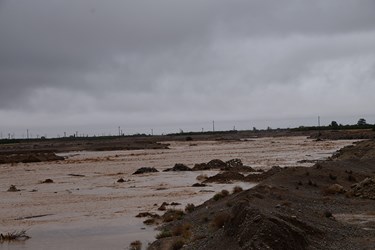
152, 132
119, 131
27, 132
213, 126
318, 121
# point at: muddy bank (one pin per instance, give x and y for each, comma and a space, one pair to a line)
8, 147
112, 143
327, 206
29, 157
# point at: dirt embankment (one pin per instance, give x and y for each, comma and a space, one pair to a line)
44, 150
29, 157
295, 208
343, 134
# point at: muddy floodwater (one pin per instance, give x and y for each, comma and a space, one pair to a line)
86, 208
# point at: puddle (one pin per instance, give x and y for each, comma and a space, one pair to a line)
109, 234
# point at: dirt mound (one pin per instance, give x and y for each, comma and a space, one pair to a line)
363, 150
234, 163
29, 157
264, 175
229, 176
213, 164
237, 165
144, 170
364, 189
178, 167
255, 230
231, 165
225, 177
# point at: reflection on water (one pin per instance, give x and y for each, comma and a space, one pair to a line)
112, 234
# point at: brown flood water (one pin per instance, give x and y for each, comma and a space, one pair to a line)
85, 207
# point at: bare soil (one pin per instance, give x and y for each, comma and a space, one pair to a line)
327, 206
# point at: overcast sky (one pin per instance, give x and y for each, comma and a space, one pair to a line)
94, 65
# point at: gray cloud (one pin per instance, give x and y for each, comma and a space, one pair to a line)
160, 62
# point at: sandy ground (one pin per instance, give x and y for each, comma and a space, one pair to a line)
85, 207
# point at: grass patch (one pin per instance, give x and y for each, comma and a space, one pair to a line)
182, 230
172, 215
219, 220
178, 244
14, 236
189, 208
164, 234
135, 245
222, 194
13, 188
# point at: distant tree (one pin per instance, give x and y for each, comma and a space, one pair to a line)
334, 124
361, 122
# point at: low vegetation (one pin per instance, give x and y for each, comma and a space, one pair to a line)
135, 245
163, 234
189, 208
182, 230
220, 219
178, 244
237, 189
221, 195
173, 215
14, 236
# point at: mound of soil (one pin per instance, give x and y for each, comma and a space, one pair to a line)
256, 230
144, 170
234, 163
225, 177
264, 175
213, 164
231, 165
178, 167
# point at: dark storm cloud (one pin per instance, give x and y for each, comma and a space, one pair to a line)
152, 60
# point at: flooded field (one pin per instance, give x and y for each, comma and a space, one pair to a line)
84, 207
